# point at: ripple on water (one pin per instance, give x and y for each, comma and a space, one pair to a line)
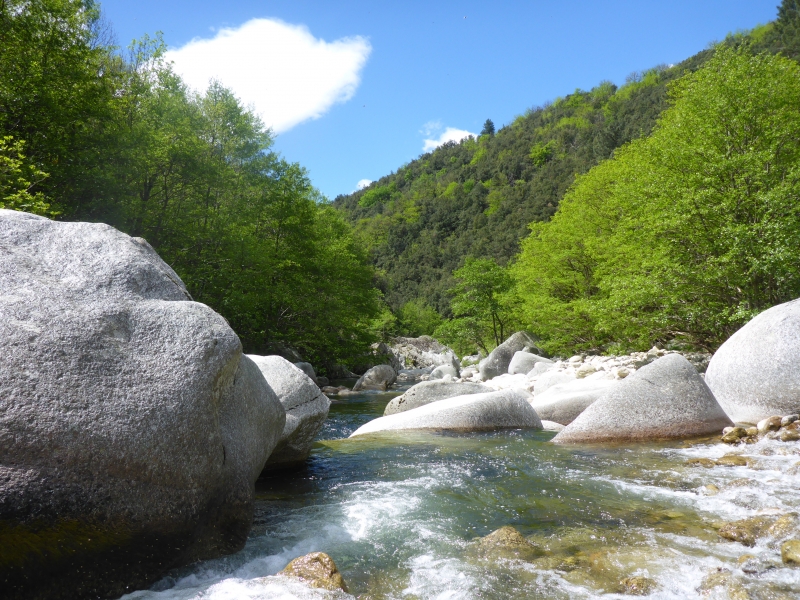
398, 514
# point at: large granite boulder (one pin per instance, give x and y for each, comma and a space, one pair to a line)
552, 378
666, 399
563, 403
132, 429
500, 358
305, 405
443, 371
426, 392
504, 409
306, 368
422, 352
379, 377
524, 362
756, 373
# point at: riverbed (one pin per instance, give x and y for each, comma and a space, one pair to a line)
399, 514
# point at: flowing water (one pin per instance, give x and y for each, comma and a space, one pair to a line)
399, 514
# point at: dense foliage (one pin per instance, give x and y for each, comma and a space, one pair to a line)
89, 133
687, 233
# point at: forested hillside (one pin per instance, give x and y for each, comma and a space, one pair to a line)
478, 198
90, 131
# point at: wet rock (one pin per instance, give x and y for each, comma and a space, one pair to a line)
565, 402
701, 462
746, 531
316, 570
305, 405
551, 425
734, 435
790, 553
133, 429
379, 377
664, 400
504, 409
785, 525
507, 542
789, 419
637, 586
329, 390
732, 460
426, 392
500, 358
790, 435
717, 578
524, 362
752, 431
710, 489
769, 424
755, 374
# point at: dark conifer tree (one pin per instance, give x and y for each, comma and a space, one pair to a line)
488, 128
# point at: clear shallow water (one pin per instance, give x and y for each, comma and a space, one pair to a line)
398, 514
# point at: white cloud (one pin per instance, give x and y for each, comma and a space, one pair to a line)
431, 127
281, 70
451, 134
362, 183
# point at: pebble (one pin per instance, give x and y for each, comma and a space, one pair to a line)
790, 552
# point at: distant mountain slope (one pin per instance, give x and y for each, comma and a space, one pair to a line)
476, 198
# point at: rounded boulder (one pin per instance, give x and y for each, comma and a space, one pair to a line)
426, 392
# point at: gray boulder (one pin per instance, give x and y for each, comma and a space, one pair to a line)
666, 399
426, 392
524, 362
308, 369
540, 368
550, 379
442, 370
379, 377
498, 360
132, 429
305, 405
563, 403
756, 374
422, 352
504, 409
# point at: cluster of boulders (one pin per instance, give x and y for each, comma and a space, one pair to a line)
133, 427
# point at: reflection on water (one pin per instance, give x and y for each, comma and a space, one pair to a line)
398, 513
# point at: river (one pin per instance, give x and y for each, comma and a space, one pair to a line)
399, 513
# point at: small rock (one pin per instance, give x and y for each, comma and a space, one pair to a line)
575, 359
584, 371
785, 525
713, 580
745, 531
769, 424
637, 586
732, 460
735, 435
330, 390
710, 489
752, 431
317, 570
790, 552
790, 435
788, 419
701, 462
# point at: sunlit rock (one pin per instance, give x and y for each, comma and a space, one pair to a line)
426, 392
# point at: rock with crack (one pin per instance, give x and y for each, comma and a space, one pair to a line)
305, 405
132, 429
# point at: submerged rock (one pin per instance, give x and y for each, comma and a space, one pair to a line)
499, 359
746, 531
316, 570
504, 409
426, 392
790, 553
379, 377
755, 373
133, 429
305, 405
508, 543
565, 402
637, 586
666, 399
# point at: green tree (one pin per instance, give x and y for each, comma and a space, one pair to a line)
482, 306
488, 128
18, 178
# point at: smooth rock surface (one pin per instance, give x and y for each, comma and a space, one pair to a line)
442, 370
552, 378
308, 369
565, 402
756, 373
378, 377
305, 405
132, 429
666, 399
500, 358
523, 362
426, 392
505, 409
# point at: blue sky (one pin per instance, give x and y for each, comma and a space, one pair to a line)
354, 89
